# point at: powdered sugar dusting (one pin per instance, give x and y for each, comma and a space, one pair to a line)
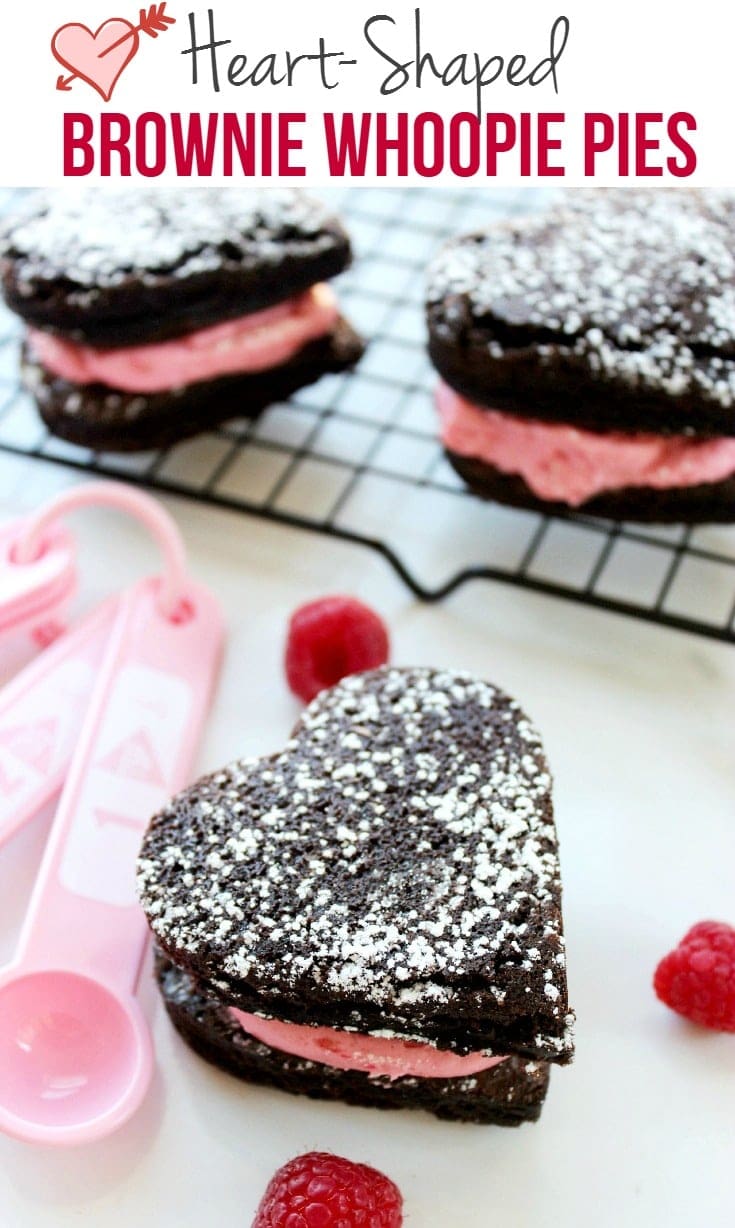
402, 845
96, 237
637, 285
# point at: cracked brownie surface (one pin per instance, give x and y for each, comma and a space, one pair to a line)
614, 311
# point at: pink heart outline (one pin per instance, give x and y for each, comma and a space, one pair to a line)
82, 58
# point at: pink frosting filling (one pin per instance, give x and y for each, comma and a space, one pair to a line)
374, 1055
564, 463
254, 342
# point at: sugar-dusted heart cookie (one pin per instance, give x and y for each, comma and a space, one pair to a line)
587, 355
203, 306
391, 874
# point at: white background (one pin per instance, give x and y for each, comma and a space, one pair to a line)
638, 725
634, 55
637, 720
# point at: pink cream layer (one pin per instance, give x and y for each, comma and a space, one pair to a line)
374, 1055
255, 342
566, 464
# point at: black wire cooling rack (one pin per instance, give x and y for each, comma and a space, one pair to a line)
356, 456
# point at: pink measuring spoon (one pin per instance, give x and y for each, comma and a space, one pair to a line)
33, 594
29, 590
75, 1049
41, 713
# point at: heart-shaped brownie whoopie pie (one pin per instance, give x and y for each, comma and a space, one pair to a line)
203, 306
393, 870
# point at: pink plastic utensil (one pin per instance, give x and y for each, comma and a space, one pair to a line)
33, 594
75, 1050
32, 590
41, 713
31, 543
42, 709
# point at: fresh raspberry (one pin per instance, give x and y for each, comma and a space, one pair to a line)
329, 639
320, 1190
698, 978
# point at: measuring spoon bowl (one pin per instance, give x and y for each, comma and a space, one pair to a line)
75, 1056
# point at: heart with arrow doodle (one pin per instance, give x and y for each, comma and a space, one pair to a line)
100, 56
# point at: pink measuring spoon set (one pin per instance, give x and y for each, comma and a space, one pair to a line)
108, 717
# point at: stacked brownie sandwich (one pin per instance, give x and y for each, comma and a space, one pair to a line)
153, 314
373, 915
587, 355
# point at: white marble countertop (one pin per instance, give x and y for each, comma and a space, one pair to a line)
638, 726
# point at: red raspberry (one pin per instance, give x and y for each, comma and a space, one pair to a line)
698, 978
329, 639
319, 1190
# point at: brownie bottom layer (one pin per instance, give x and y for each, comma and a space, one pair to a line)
704, 504
98, 417
505, 1095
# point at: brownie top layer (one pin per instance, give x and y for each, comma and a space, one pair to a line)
623, 289
395, 864
70, 255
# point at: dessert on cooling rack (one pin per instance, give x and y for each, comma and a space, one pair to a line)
587, 355
153, 314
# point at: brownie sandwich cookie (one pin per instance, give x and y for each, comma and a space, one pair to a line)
153, 314
587, 355
373, 915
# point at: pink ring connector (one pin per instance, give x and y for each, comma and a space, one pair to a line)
174, 581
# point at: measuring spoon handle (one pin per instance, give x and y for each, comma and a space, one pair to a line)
41, 712
136, 747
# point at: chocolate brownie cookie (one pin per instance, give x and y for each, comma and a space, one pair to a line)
118, 267
392, 875
605, 326
150, 312
506, 1095
686, 505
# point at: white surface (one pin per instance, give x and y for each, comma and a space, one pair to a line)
638, 726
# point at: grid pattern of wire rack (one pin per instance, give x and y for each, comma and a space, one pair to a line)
357, 456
